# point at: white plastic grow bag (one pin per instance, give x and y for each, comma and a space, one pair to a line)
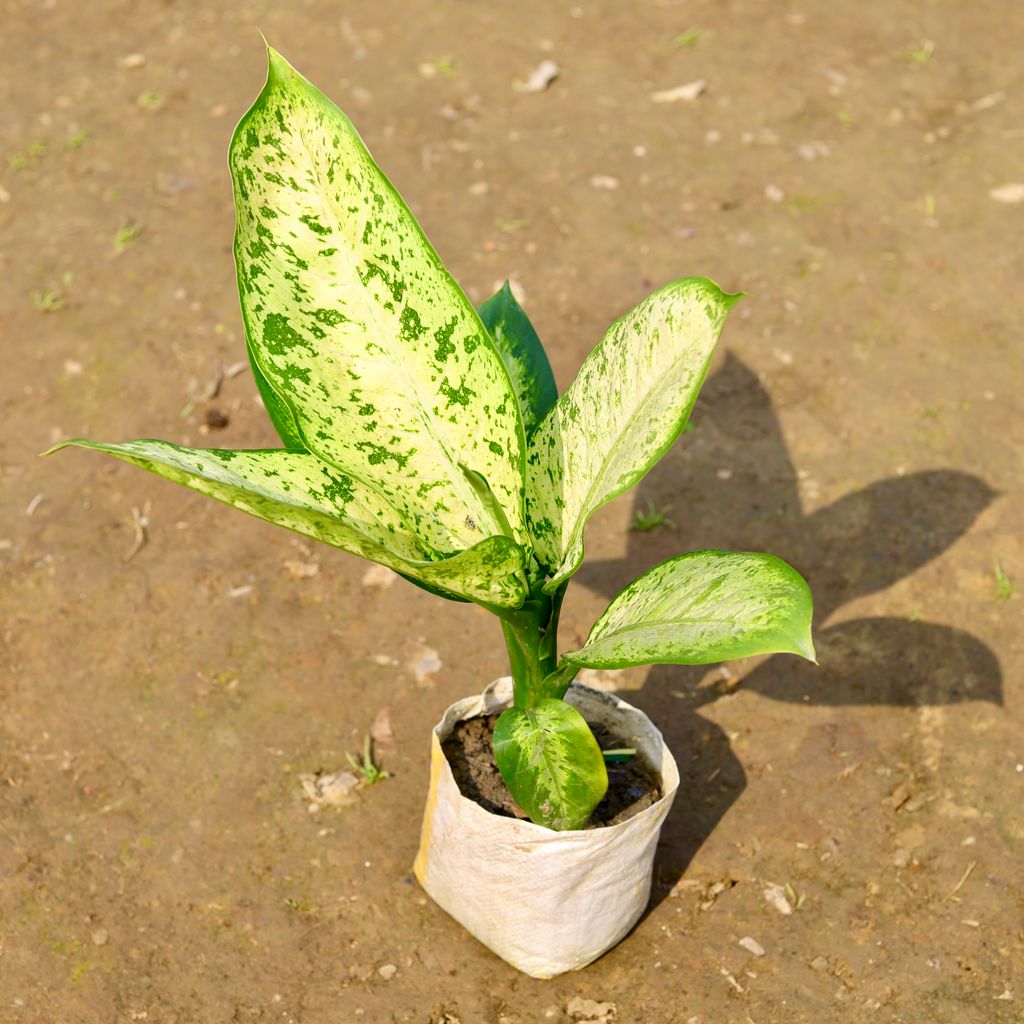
544, 901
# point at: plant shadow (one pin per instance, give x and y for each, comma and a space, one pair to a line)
731, 484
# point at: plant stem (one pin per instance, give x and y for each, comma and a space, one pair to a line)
560, 680
531, 636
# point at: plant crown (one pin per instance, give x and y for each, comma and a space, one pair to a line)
429, 437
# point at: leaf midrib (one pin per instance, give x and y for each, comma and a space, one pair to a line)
658, 623
532, 717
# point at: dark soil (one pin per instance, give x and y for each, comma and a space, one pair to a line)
632, 786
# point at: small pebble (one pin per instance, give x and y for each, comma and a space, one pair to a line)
426, 665
132, 61
752, 945
215, 419
334, 789
100, 937
1011, 193
687, 93
589, 1011
993, 99
775, 895
379, 576
299, 570
540, 78
774, 194
387, 971
604, 181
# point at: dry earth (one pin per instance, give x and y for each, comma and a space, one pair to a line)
171, 667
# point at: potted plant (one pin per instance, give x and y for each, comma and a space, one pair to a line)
428, 436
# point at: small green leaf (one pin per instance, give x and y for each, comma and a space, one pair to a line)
298, 491
358, 331
702, 607
626, 407
522, 353
551, 763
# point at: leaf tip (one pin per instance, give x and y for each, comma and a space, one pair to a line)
804, 646
278, 69
58, 446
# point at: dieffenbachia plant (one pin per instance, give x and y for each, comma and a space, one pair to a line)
428, 436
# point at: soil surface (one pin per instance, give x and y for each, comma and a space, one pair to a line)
169, 667
632, 785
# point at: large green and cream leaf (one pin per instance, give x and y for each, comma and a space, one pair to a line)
702, 607
626, 407
356, 326
523, 354
300, 492
551, 763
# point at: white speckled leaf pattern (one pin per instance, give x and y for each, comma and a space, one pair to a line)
358, 328
551, 763
300, 492
702, 607
626, 407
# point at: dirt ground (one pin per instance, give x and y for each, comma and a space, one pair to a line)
170, 667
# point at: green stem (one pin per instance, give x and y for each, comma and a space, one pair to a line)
531, 636
560, 679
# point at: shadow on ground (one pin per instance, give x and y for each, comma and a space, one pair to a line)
731, 484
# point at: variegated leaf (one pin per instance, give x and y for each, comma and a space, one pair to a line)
702, 607
521, 351
551, 763
277, 409
300, 492
628, 404
357, 327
